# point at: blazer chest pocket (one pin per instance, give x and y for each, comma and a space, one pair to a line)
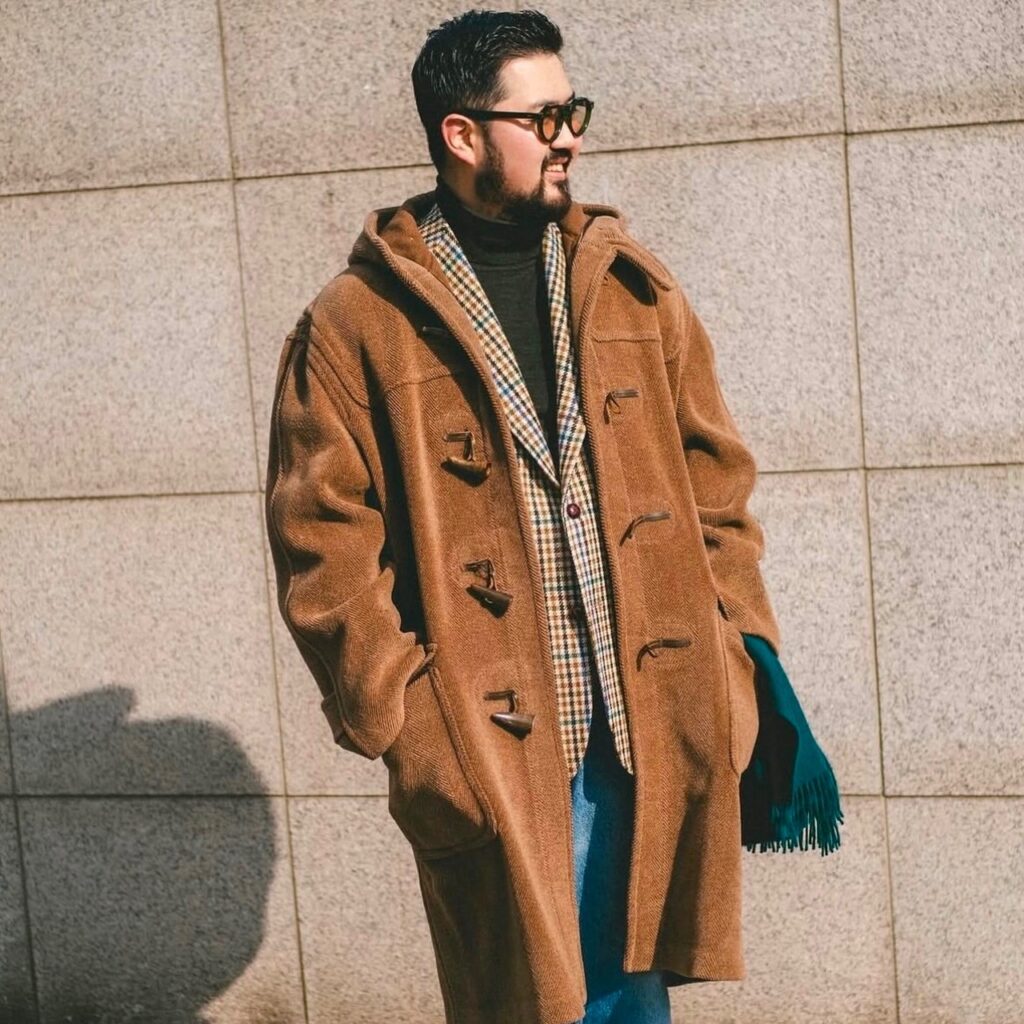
431, 796
742, 694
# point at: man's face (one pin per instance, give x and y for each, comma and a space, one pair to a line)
521, 177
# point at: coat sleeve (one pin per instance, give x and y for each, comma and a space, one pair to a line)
722, 475
335, 578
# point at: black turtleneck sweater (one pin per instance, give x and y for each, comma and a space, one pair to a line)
508, 262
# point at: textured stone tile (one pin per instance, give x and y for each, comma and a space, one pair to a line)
110, 94
159, 909
958, 908
17, 1001
123, 347
816, 569
366, 945
136, 644
314, 763
938, 238
5, 755
315, 85
947, 551
757, 235
931, 62
296, 234
662, 74
817, 936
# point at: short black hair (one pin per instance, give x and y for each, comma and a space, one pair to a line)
461, 61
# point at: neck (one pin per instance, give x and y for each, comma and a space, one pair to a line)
471, 204
484, 234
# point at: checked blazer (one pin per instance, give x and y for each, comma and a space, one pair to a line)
562, 502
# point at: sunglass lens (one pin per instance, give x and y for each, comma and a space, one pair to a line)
551, 124
579, 117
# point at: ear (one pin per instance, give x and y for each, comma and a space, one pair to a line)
460, 138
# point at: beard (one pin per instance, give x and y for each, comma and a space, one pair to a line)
491, 186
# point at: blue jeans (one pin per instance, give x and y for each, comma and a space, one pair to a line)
602, 820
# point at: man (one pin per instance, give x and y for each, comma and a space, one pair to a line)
508, 512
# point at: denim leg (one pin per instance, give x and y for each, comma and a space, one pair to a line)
602, 816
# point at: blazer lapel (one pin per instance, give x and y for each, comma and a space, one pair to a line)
508, 378
571, 428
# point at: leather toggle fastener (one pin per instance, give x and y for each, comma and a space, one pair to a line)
519, 723
435, 331
612, 399
651, 647
647, 517
467, 464
495, 600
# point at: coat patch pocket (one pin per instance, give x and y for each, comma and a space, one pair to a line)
431, 797
626, 309
743, 717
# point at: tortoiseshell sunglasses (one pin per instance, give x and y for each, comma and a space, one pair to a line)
549, 119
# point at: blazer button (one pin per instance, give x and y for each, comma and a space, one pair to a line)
573, 509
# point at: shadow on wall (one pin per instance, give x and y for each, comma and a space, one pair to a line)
141, 908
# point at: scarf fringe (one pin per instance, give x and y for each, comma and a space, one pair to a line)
811, 820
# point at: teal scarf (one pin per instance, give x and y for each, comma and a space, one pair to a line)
788, 794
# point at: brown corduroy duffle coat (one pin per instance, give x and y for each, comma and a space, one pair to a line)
392, 467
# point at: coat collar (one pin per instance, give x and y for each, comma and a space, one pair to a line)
390, 236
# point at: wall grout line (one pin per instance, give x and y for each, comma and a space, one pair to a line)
234, 179
779, 471
144, 495
887, 843
380, 795
239, 266
208, 795
29, 947
866, 509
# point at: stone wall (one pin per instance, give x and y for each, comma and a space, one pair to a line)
839, 188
